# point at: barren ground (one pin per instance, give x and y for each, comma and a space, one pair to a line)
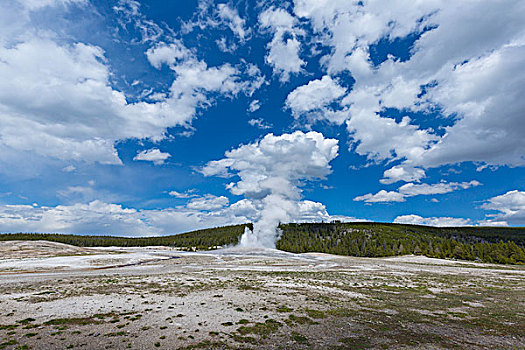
149, 298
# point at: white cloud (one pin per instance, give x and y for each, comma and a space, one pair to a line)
49, 92
276, 163
225, 46
169, 54
186, 194
510, 207
411, 190
254, 106
69, 168
99, 217
152, 155
208, 202
219, 17
492, 223
130, 15
470, 62
381, 196
57, 100
260, 123
94, 217
432, 221
383, 138
478, 91
231, 17
315, 97
402, 173
284, 48
349, 26
79, 193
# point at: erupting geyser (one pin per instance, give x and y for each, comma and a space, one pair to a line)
271, 172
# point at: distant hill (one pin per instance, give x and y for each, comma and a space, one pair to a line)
487, 244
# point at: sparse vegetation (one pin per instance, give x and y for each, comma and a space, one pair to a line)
299, 338
311, 302
266, 328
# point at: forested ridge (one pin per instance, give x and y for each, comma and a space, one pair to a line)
487, 244
200, 239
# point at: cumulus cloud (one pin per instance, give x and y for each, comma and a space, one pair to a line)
152, 155
510, 208
313, 99
465, 64
381, 196
94, 217
411, 190
402, 173
432, 221
276, 163
57, 100
208, 202
168, 54
271, 172
284, 48
479, 90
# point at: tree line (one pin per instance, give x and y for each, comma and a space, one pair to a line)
485, 244
492, 245
200, 239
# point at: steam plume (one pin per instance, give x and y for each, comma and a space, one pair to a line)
271, 172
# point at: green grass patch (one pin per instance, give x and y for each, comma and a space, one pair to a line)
268, 327
283, 308
315, 313
299, 338
8, 343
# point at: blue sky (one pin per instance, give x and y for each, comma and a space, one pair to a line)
157, 117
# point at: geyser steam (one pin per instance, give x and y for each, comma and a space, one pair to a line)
271, 172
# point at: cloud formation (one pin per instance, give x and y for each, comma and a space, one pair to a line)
313, 100
464, 63
57, 99
152, 155
510, 208
260, 123
284, 48
412, 189
432, 221
99, 217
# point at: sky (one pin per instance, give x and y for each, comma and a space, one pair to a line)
153, 117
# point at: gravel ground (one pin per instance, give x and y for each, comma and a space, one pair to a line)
158, 298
